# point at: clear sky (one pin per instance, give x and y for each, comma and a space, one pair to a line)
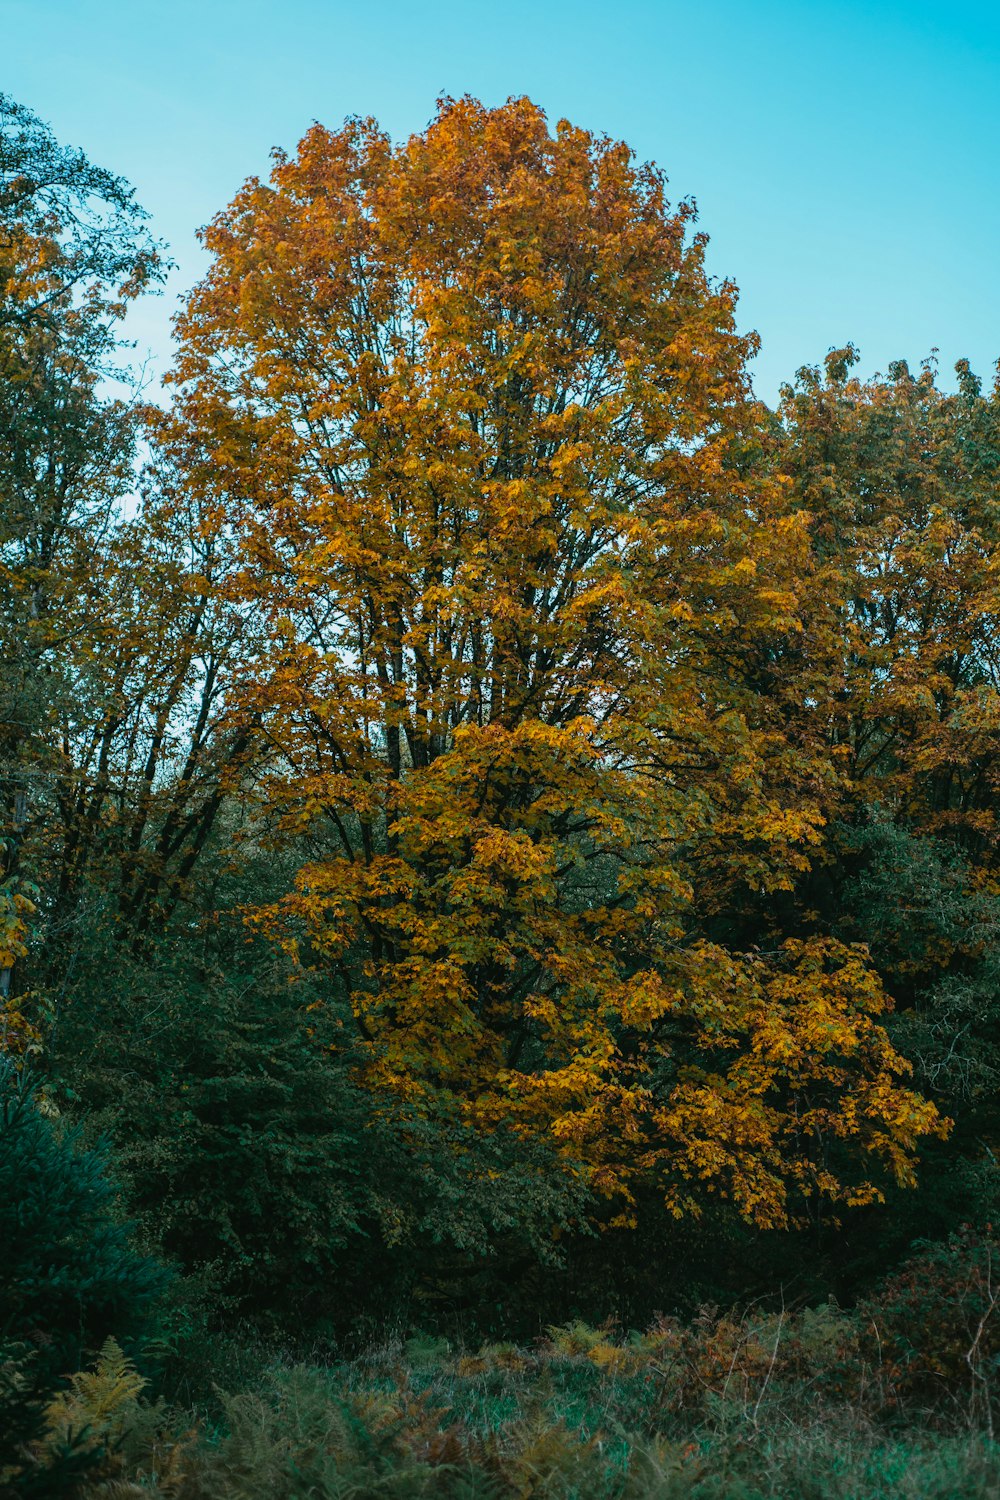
845, 156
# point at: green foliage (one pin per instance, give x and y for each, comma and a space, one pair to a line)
69, 1278
248, 1147
69, 1274
933, 924
86, 214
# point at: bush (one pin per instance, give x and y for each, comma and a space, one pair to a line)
69, 1278
253, 1158
934, 1330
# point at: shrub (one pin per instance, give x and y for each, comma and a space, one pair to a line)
934, 1330
69, 1278
70, 1275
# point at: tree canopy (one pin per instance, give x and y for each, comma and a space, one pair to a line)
481, 707
479, 425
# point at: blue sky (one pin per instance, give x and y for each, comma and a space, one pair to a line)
844, 156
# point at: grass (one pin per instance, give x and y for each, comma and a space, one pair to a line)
725, 1408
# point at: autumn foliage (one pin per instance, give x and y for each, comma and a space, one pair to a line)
471, 774
477, 426
499, 840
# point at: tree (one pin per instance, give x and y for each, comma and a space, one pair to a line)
68, 230
115, 642
73, 251
900, 480
70, 1278
252, 1156
152, 752
480, 426
71, 1275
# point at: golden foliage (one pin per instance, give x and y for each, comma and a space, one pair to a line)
478, 425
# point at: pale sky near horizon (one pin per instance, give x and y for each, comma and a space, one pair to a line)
843, 155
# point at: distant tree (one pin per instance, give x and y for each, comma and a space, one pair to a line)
73, 251
68, 229
114, 641
900, 480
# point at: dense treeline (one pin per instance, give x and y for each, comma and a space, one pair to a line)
499, 825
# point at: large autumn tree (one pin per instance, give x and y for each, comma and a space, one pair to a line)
478, 422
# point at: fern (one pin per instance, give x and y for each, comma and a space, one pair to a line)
98, 1401
549, 1458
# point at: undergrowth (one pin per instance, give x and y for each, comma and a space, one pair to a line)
816, 1403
